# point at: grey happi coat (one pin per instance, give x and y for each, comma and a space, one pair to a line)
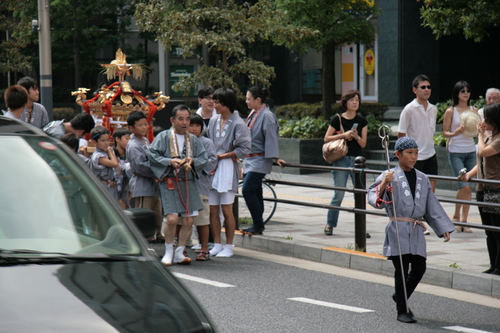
424, 206
159, 160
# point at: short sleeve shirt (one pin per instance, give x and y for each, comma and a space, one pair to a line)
420, 125
353, 148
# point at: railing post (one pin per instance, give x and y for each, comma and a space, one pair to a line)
236, 213
360, 202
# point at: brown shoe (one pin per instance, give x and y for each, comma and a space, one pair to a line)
203, 256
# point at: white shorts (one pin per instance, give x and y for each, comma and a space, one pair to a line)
226, 198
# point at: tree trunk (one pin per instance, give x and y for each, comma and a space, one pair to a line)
328, 79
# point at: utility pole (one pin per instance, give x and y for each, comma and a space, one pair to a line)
45, 44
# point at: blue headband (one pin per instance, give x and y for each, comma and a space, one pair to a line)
405, 143
97, 135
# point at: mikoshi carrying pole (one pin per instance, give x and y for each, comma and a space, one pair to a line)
383, 133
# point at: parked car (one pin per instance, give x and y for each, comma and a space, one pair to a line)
70, 259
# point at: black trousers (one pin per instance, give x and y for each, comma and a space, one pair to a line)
412, 277
492, 238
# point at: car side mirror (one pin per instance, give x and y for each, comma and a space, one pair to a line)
145, 219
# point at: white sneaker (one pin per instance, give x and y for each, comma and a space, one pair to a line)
182, 258
216, 250
167, 258
227, 252
196, 247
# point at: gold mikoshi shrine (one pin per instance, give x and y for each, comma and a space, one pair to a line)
111, 105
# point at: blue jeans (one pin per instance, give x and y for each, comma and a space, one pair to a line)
458, 161
252, 192
339, 179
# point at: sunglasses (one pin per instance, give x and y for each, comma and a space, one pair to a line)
425, 87
465, 91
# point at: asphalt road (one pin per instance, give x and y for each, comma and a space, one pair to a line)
260, 292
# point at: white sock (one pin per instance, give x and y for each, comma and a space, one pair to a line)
216, 249
179, 249
227, 252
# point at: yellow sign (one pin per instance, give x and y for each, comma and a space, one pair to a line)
369, 61
370, 3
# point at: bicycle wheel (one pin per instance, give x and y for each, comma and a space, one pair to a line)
269, 206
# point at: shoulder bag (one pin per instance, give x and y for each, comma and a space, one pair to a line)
335, 150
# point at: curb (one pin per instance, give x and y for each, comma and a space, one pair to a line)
479, 283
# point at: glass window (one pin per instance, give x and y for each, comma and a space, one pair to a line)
47, 203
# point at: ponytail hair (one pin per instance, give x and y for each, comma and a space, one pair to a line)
258, 92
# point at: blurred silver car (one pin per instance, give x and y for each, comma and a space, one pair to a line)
70, 259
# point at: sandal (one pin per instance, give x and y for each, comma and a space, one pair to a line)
328, 230
203, 256
467, 229
459, 229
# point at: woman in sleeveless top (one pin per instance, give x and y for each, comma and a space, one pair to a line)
461, 149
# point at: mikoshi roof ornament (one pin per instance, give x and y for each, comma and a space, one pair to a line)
111, 105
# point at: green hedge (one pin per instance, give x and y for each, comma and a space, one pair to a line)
443, 106
63, 113
301, 110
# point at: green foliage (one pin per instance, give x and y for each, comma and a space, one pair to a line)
340, 22
299, 110
304, 128
16, 34
244, 220
373, 125
226, 28
443, 106
454, 265
63, 113
440, 140
473, 19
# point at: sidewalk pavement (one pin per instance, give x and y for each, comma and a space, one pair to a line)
297, 231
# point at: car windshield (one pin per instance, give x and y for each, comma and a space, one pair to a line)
49, 204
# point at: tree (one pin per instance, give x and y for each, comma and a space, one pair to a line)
80, 28
15, 29
338, 22
473, 19
227, 28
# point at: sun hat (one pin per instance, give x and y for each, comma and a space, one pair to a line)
470, 119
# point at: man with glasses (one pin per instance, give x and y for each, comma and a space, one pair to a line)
418, 121
206, 110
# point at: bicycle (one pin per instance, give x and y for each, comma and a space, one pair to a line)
244, 215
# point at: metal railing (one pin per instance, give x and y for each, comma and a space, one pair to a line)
360, 192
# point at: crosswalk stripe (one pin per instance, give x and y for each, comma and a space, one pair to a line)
330, 305
464, 329
204, 281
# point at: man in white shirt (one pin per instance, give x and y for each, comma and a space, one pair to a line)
418, 121
207, 109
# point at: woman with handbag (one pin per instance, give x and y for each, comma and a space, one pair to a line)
355, 137
488, 167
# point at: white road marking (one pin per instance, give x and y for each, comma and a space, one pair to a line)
204, 281
464, 329
330, 305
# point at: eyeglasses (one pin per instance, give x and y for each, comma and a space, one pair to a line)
465, 91
425, 87
208, 98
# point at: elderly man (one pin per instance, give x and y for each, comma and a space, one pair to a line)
492, 96
175, 156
